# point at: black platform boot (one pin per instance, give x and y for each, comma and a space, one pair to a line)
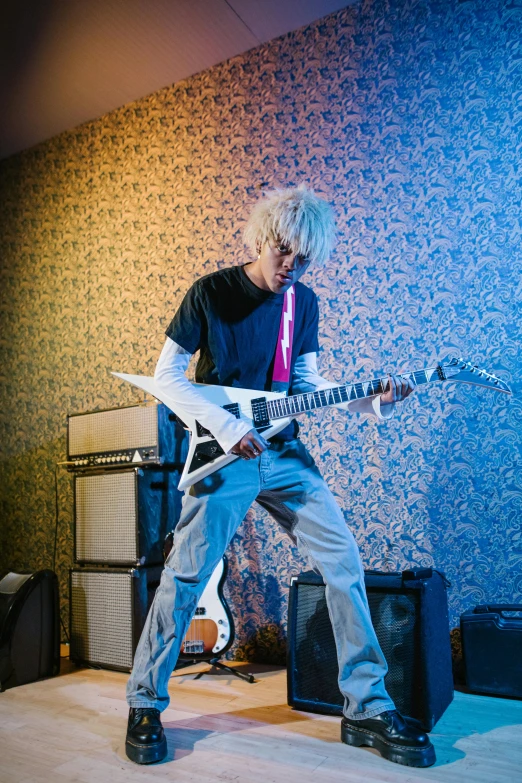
145, 742
395, 737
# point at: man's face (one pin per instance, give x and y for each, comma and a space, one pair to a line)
280, 267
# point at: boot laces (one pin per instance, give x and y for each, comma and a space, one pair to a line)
141, 712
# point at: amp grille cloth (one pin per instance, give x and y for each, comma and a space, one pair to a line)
106, 431
101, 610
106, 518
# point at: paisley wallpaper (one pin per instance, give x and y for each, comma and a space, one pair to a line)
407, 115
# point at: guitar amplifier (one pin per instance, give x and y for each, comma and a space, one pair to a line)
148, 434
122, 517
409, 612
108, 608
492, 649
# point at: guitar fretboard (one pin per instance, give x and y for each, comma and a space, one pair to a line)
308, 401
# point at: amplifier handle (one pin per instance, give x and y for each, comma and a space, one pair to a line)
485, 608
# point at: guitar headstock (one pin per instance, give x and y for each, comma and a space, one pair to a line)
458, 369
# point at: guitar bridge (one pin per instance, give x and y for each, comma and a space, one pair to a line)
193, 646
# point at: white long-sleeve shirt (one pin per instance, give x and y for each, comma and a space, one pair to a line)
227, 430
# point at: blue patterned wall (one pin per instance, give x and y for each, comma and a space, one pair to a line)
407, 116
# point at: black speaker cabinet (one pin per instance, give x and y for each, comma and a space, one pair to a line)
122, 517
108, 608
492, 649
409, 612
29, 628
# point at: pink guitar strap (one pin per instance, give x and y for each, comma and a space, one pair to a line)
283, 354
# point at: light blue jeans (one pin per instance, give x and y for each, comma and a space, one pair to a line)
286, 482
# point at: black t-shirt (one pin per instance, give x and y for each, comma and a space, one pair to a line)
235, 325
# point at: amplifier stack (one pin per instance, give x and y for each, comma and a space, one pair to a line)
126, 464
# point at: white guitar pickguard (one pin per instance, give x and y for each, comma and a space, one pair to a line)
214, 609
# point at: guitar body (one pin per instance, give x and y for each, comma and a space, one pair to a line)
270, 412
205, 454
211, 631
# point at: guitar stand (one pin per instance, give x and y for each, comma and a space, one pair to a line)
216, 663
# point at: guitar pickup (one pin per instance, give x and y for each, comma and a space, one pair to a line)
260, 412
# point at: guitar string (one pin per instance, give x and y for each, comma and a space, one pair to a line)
248, 409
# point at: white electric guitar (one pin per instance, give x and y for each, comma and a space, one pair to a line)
270, 412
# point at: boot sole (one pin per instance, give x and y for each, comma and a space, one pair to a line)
400, 754
146, 754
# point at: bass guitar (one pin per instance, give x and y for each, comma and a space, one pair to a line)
211, 631
270, 412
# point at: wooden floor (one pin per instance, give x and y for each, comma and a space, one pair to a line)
220, 728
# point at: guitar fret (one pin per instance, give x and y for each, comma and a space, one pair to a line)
300, 403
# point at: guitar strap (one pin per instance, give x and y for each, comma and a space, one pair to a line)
283, 353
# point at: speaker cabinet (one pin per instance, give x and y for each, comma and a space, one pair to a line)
108, 610
29, 628
122, 517
409, 612
492, 649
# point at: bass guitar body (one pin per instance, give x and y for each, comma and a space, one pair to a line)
211, 632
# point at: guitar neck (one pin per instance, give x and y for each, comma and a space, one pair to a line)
299, 403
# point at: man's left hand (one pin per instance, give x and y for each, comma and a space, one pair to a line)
399, 389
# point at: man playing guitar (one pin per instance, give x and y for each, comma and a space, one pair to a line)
235, 318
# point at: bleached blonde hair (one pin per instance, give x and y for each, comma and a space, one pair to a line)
295, 217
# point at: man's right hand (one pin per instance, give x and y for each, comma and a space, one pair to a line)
250, 446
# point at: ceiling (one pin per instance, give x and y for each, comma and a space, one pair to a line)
64, 62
